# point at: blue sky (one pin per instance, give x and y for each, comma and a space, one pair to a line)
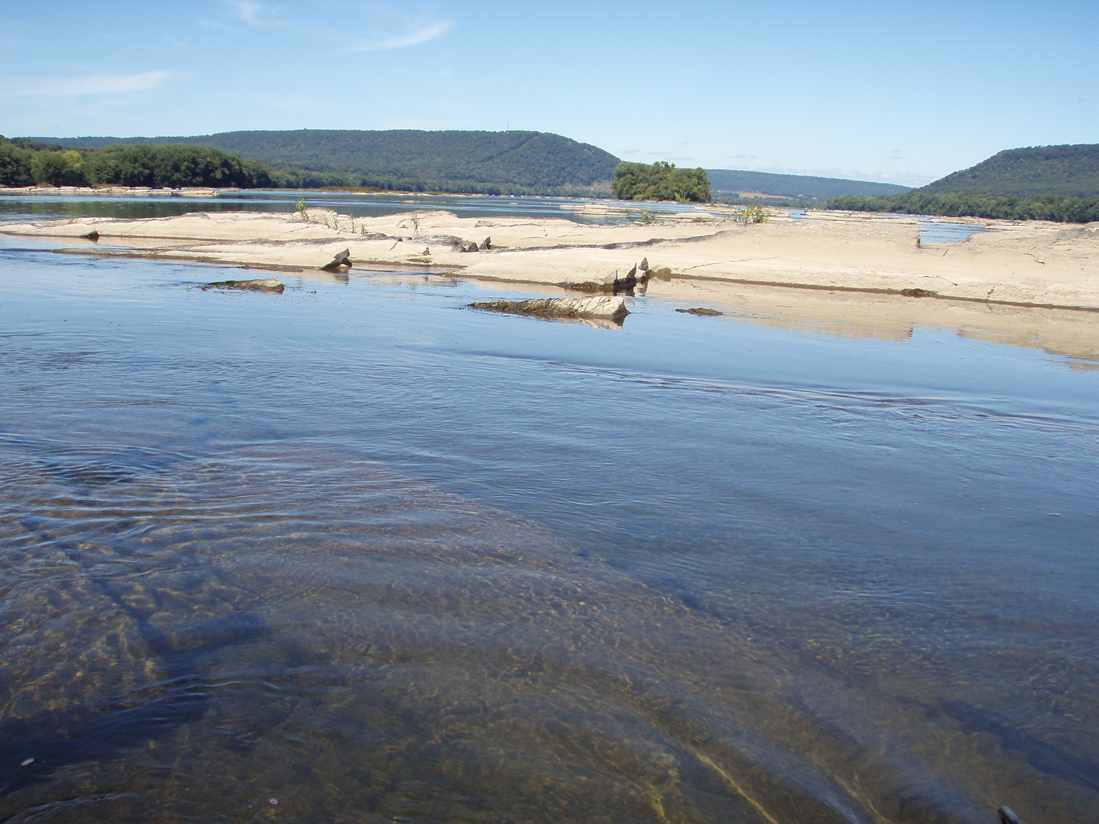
902, 92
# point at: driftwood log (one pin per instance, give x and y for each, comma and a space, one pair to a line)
341, 262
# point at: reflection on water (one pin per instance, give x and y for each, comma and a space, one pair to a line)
355, 553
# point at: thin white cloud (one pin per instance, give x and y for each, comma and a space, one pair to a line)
414, 36
247, 11
83, 85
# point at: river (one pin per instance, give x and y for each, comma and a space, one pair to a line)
358, 553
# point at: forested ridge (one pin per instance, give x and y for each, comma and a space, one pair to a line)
1058, 183
512, 162
728, 184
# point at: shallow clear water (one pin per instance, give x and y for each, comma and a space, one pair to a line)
357, 553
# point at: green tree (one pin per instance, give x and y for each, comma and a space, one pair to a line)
55, 168
15, 165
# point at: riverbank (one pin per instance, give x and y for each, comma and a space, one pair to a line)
1016, 264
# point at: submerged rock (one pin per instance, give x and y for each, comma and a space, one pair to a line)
702, 311
265, 285
603, 307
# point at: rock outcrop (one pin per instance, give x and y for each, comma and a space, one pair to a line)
340, 263
601, 308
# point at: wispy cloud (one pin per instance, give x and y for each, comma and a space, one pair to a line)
82, 85
413, 35
247, 10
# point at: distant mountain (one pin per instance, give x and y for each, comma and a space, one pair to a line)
473, 161
726, 182
1043, 171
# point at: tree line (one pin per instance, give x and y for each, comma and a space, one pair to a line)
660, 181
957, 204
162, 166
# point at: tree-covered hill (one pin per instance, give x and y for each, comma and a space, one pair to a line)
1045, 171
474, 161
1040, 183
729, 183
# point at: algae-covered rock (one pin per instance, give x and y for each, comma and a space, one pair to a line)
264, 285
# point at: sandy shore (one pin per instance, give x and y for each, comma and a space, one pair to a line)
836, 271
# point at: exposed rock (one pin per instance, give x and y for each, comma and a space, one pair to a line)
918, 293
644, 267
701, 310
486, 244
92, 235
603, 307
249, 285
469, 246
426, 251
1007, 816
611, 283
340, 262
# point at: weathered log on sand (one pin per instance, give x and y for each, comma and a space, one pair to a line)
249, 285
603, 307
340, 262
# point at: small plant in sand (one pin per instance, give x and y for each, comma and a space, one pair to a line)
753, 214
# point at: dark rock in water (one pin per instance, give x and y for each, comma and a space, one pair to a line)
702, 311
602, 307
613, 284
340, 262
248, 285
918, 293
663, 273
92, 235
486, 244
644, 266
